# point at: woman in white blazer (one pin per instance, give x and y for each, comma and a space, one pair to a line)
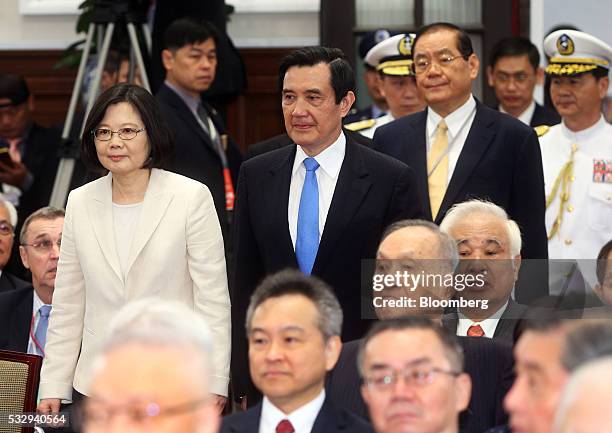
137, 232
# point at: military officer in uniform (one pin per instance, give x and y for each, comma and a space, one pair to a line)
393, 60
378, 107
577, 154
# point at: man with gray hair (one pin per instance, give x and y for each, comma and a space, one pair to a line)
585, 402
24, 312
153, 373
8, 222
293, 324
418, 247
489, 246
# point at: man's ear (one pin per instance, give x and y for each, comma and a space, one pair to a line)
540, 76
333, 347
517, 266
31, 103
490, 79
474, 64
24, 257
603, 85
347, 102
167, 59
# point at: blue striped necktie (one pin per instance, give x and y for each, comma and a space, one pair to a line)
307, 242
41, 328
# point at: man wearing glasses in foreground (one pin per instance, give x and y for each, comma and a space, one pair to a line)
24, 312
413, 377
461, 149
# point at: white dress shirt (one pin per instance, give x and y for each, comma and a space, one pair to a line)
488, 325
330, 162
526, 115
36, 304
302, 419
459, 123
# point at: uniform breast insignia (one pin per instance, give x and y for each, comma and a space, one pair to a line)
541, 130
361, 125
602, 171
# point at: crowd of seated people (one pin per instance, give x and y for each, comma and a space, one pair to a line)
434, 265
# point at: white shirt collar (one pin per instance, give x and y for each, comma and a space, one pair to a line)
526, 115
36, 303
454, 121
488, 325
585, 134
302, 419
330, 160
189, 100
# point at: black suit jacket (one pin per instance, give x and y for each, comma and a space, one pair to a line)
283, 140
500, 161
195, 155
11, 282
489, 364
16, 318
329, 420
506, 327
372, 191
544, 116
41, 158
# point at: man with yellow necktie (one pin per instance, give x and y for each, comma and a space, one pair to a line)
577, 154
461, 149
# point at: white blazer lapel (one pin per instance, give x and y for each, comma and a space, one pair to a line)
100, 210
154, 206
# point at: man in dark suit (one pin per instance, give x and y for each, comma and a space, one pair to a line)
513, 71
460, 149
24, 312
293, 325
27, 174
489, 245
8, 221
413, 377
203, 150
418, 247
320, 205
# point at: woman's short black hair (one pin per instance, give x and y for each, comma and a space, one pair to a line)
160, 137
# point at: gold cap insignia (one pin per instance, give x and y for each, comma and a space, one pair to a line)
405, 46
565, 45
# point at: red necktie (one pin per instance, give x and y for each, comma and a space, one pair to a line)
284, 427
475, 331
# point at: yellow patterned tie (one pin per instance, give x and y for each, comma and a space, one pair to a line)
437, 168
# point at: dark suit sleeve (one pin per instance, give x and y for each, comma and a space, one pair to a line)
405, 202
247, 273
528, 202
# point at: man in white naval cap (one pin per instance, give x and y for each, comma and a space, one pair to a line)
393, 61
577, 154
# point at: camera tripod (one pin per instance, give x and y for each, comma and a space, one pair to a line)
107, 14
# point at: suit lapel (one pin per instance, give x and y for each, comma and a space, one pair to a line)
19, 336
327, 420
100, 210
277, 200
351, 188
154, 207
185, 113
246, 422
417, 155
477, 142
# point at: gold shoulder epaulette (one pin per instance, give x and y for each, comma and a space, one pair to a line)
361, 125
541, 130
